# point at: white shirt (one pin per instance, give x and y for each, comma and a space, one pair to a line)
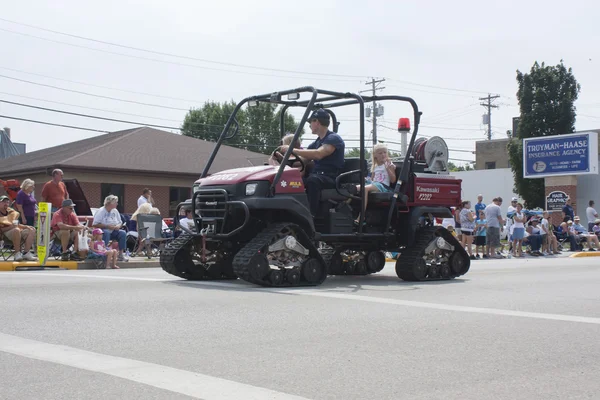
519, 224
142, 200
380, 174
104, 217
591, 213
187, 222
509, 221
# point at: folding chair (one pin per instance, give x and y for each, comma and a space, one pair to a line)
150, 240
8, 250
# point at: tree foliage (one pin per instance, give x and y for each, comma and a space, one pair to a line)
547, 96
259, 125
457, 168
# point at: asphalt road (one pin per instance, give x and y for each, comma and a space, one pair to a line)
509, 329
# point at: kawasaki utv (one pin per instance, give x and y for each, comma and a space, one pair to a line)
254, 223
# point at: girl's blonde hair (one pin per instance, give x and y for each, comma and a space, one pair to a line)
376, 147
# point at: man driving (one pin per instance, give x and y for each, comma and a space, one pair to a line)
327, 152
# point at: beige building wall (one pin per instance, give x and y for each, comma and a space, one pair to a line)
491, 154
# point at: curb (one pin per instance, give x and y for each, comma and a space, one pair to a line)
70, 265
585, 254
24, 265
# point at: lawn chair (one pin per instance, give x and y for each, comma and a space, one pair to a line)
8, 250
150, 240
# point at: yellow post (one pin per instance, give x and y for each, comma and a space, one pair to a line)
43, 233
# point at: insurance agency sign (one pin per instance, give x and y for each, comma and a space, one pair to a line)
572, 154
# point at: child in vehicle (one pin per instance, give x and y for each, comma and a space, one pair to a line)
383, 173
97, 248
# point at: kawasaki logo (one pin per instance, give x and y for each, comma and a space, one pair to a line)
427, 190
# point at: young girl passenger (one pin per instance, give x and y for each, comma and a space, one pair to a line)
383, 173
97, 248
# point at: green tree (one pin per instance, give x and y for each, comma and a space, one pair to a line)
547, 96
259, 125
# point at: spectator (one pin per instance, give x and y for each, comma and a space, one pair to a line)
143, 209
187, 221
565, 229
591, 215
568, 210
467, 223
457, 225
146, 197
13, 231
480, 229
551, 242
535, 237
55, 191
97, 249
166, 232
510, 212
480, 206
26, 202
66, 228
518, 232
584, 235
596, 228
109, 220
493, 215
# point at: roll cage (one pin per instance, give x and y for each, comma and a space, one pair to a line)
327, 100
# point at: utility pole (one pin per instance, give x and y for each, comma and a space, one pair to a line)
374, 87
489, 107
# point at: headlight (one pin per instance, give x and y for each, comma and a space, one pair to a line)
251, 189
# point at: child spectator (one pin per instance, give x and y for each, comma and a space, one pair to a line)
518, 231
97, 248
467, 223
480, 228
596, 227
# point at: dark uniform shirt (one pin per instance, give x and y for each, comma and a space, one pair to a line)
333, 163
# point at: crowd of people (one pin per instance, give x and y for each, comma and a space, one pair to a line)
77, 240
480, 229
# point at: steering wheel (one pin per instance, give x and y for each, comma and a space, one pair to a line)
290, 162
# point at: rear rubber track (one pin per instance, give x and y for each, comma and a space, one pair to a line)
410, 265
176, 260
246, 263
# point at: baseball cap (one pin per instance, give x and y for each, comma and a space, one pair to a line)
576, 218
97, 231
2, 198
514, 199
535, 220
319, 114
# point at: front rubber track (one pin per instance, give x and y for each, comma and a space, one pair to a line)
177, 260
248, 263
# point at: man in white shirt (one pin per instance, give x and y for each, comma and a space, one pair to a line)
591, 215
146, 197
109, 220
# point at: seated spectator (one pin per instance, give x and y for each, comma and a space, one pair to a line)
13, 231
98, 249
143, 209
564, 229
26, 202
584, 235
596, 227
187, 221
109, 220
535, 237
66, 228
165, 231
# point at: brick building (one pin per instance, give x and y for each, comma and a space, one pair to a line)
124, 162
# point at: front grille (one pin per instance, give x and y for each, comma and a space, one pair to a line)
211, 204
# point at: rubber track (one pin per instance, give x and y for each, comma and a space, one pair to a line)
190, 272
409, 256
241, 261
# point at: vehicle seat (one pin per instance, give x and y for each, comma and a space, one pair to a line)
350, 164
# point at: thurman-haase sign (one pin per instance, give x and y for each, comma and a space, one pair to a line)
572, 154
555, 201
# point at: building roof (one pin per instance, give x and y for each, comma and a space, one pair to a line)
141, 149
7, 147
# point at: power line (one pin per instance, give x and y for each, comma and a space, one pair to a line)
90, 108
437, 87
177, 55
93, 95
86, 115
52, 124
170, 62
97, 86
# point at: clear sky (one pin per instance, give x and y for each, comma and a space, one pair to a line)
443, 54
